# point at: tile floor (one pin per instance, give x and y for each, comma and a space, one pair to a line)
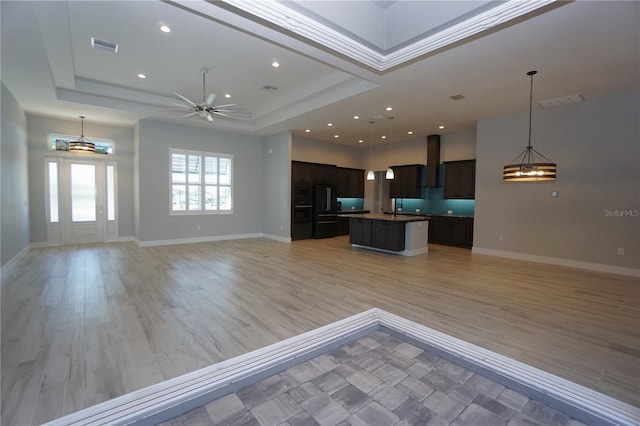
375, 380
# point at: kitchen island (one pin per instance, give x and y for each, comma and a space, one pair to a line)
397, 234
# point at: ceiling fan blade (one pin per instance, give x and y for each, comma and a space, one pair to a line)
210, 99
224, 106
191, 114
234, 114
188, 101
210, 118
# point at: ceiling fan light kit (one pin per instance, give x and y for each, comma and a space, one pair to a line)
530, 165
207, 109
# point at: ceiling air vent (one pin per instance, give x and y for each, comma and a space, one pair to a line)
268, 88
561, 100
104, 44
457, 97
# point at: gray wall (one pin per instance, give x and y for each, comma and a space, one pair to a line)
155, 138
38, 128
276, 186
596, 146
303, 149
15, 179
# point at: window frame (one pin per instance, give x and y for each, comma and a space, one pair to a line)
201, 184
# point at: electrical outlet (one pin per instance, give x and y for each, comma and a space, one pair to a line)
501, 238
621, 251
449, 211
399, 209
417, 210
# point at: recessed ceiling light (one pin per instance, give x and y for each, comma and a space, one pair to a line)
329, 124
360, 141
307, 131
165, 29
336, 136
356, 117
440, 127
142, 76
410, 132
227, 95
389, 108
383, 137
275, 64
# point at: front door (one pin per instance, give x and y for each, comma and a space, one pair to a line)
81, 201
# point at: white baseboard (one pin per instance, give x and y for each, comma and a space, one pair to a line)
193, 240
7, 267
126, 239
277, 238
168, 399
560, 262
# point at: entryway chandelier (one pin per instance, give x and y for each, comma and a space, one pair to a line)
526, 167
82, 144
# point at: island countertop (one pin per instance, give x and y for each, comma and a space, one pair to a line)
390, 217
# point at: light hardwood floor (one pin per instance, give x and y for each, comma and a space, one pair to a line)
84, 324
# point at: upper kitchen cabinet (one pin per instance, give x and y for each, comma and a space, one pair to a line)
350, 182
460, 179
407, 182
324, 174
301, 172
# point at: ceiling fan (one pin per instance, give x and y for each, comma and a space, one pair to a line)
207, 109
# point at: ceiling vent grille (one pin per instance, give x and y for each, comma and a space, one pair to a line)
268, 88
561, 100
104, 44
457, 97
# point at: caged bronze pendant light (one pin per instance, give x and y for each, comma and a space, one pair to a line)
82, 144
530, 165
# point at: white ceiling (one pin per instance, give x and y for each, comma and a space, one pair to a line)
332, 68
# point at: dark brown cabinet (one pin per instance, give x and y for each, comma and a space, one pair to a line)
388, 235
356, 183
460, 179
360, 231
324, 174
382, 234
343, 226
407, 182
301, 172
451, 230
301, 231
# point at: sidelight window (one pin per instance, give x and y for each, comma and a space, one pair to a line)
201, 182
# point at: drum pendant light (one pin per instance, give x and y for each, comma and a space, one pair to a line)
526, 167
82, 144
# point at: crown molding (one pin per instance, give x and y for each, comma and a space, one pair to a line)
295, 22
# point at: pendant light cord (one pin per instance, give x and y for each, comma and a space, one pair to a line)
530, 73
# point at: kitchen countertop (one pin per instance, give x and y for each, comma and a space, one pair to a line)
428, 214
391, 217
352, 212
